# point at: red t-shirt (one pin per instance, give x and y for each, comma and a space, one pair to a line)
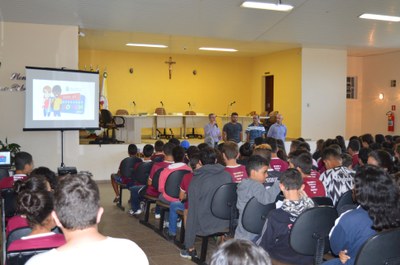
238, 173
8, 182
185, 186
47, 241
355, 160
278, 164
313, 187
150, 189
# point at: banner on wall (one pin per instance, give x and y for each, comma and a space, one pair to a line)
103, 93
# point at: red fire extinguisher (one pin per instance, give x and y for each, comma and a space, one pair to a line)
390, 117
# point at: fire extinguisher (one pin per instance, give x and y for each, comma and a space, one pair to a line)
390, 119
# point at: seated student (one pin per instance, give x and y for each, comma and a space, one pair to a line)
126, 165
336, 178
23, 167
158, 156
256, 168
264, 150
48, 174
276, 231
77, 212
206, 180
353, 148
347, 161
230, 152
142, 173
33, 184
378, 195
363, 156
168, 159
245, 151
302, 161
243, 252
276, 163
381, 159
37, 206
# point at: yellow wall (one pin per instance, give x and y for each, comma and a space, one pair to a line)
219, 80
285, 66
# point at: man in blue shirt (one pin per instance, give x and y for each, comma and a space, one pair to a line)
278, 130
255, 130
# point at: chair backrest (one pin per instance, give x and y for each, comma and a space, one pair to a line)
172, 185
121, 112
127, 167
17, 234
106, 118
310, 231
22, 256
224, 200
383, 248
9, 201
142, 172
156, 178
254, 215
345, 199
160, 111
322, 201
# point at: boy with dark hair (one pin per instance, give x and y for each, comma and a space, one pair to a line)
302, 161
363, 156
276, 230
142, 173
257, 168
230, 152
77, 212
336, 178
273, 176
125, 171
353, 148
206, 180
276, 163
23, 167
158, 156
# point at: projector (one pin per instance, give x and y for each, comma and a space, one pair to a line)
66, 170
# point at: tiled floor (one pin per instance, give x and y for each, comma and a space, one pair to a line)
117, 223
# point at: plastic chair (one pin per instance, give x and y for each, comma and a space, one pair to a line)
255, 214
150, 199
127, 170
22, 256
322, 201
108, 122
309, 234
345, 202
383, 248
17, 234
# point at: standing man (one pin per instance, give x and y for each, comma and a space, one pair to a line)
255, 130
278, 130
232, 131
211, 130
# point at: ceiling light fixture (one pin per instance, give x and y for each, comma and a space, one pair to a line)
267, 6
147, 45
218, 49
380, 17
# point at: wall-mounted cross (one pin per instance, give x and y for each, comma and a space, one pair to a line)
170, 63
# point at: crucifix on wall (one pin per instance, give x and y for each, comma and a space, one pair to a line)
170, 63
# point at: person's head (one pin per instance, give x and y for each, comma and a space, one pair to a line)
363, 155
376, 191
264, 152
158, 146
167, 149
354, 146
257, 168
341, 142
194, 161
336, 147
230, 150
389, 138
294, 145
320, 145
245, 150
240, 252
132, 150
178, 153
256, 119
36, 206
302, 161
258, 141
366, 140
381, 159
209, 141
208, 156
234, 117
279, 118
175, 141
148, 150
304, 146
34, 183
185, 144
212, 117
77, 202
347, 160
291, 180
331, 158
23, 163
192, 150
379, 138
273, 143
48, 174
203, 145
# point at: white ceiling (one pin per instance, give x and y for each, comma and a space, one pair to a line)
185, 25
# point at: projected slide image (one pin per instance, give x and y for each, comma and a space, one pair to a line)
62, 100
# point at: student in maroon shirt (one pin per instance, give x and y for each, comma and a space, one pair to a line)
23, 167
230, 153
276, 163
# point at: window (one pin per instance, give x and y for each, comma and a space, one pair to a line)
351, 87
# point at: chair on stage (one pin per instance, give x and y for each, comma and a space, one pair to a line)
160, 112
193, 134
108, 122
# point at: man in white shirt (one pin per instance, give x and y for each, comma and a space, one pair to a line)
77, 212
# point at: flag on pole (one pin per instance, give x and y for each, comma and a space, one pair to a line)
103, 93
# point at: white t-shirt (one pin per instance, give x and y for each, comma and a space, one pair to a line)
109, 251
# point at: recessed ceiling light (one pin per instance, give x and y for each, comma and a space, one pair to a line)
267, 6
147, 45
218, 49
380, 17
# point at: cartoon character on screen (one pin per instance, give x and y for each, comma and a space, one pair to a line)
57, 101
46, 101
